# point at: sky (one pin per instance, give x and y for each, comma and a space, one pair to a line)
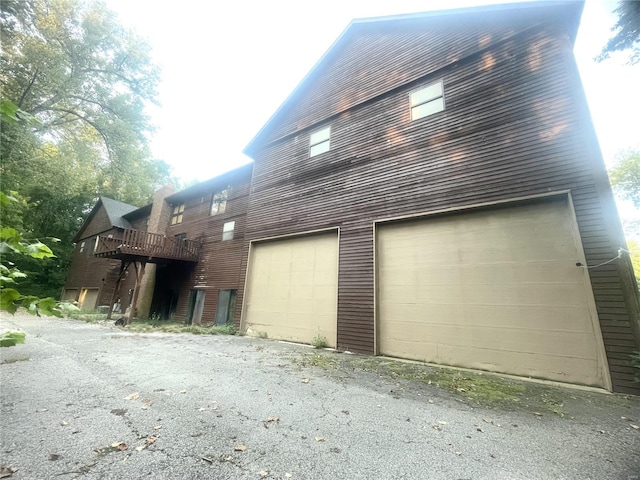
227, 66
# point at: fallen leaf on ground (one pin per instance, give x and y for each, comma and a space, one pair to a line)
263, 473
6, 471
151, 440
458, 453
319, 439
63, 423
273, 419
635, 427
305, 380
140, 448
442, 422
240, 448
147, 400
133, 396
288, 475
157, 427
120, 446
183, 391
537, 414
430, 401
207, 459
487, 420
346, 412
480, 429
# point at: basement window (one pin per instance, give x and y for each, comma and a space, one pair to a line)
319, 141
219, 202
176, 214
427, 101
227, 230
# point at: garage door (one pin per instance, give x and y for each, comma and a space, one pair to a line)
292, 289
88, 298
496, 290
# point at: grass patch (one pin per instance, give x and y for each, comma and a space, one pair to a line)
319, 360
319, 341
165, 327
89, 317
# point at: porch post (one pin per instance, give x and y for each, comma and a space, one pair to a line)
123, 268
136, 290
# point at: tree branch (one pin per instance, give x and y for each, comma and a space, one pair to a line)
24, 94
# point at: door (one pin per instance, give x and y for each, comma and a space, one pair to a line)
292, 288
226, 307
495, 289
196, 306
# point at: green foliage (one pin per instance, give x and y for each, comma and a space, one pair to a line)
635, 362
14, 245
627, 32
74, 86
319, 341
11, 339
625, 175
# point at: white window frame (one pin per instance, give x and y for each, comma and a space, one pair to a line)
177, 213
219, 201
320, 141
228, 229
427, 100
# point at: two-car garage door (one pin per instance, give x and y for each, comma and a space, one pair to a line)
493, 289
292, 288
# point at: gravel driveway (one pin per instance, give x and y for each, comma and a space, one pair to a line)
93, 401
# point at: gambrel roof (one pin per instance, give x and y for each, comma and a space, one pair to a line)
363, 63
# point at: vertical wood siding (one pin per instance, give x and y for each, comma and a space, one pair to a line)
513, 126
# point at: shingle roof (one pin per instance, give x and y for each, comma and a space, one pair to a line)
114, 209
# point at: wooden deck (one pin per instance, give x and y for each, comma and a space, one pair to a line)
150, 247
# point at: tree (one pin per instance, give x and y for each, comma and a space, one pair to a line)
625, 176
627, 32
84, 81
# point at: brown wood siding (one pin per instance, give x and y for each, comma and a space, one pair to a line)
87, 271
391, 54
513, 126
219, 263
99, 223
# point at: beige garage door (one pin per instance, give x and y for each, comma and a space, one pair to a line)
70, 295
88, 298
496, 290
292, 289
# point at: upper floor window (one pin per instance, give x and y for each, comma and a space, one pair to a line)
319, 141
227, 230
176, 214
427, 101
82, 247
219, 202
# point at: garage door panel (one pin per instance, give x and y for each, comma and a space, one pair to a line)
292, 288
494, 281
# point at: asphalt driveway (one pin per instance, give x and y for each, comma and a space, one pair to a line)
93, 401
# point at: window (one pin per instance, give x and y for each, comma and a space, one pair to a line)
319, 142
427, 101
81, 247
219, 202
176, 214
227, 230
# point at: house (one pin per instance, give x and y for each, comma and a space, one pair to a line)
178, 257
433, 190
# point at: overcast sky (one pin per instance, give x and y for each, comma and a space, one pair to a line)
227, 66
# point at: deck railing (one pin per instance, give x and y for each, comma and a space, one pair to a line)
137, 242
